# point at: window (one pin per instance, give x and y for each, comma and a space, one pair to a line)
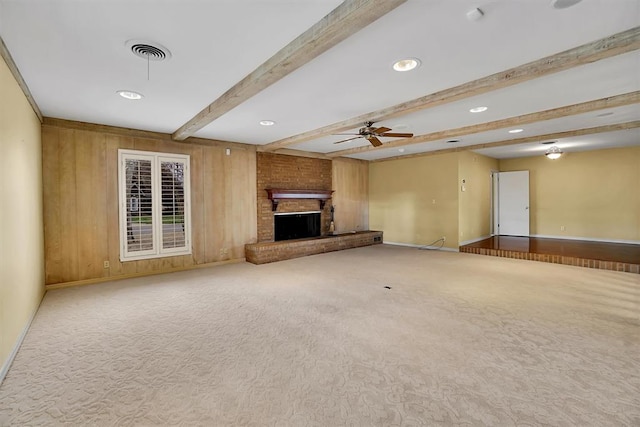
154, 204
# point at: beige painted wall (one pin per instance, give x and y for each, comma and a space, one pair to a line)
21, 232
593, 194
350, 179
81, 201
474, 204
415, 200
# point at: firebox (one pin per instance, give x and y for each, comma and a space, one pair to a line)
296, 225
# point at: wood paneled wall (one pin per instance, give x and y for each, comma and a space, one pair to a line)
80, 175
350, 179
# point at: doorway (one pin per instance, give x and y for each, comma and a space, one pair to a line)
510, 204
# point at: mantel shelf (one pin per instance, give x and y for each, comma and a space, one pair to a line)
277, 194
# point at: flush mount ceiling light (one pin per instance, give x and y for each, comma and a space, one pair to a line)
553, 153
267, 122
478, 109
406, 64
516, 130
563, 4
129, 94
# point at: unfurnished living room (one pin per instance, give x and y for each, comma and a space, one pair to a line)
320, 212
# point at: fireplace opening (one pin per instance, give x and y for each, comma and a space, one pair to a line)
296, 225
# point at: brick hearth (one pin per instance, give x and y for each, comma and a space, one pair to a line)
265, 252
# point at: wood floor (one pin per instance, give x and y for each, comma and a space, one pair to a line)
602, 255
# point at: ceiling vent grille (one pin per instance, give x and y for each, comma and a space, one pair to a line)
149, 51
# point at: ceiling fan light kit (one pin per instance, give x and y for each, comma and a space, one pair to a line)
372, 134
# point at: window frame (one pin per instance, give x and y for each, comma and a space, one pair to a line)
157, 250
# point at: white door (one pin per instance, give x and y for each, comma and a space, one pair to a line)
513, 203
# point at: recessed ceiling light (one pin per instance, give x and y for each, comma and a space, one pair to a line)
605, 114
516, 130
475, 14
478, 109
267, 122
453, 141
401, 150
563, 4
406, 64
129, 94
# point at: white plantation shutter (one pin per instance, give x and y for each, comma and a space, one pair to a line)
154, 204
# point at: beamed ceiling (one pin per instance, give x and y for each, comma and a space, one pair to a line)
319, 68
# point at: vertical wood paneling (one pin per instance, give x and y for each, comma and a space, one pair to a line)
211, 247
81, 203
91, 215
52, 208
68, 204
242, 176
351, 194
216, 205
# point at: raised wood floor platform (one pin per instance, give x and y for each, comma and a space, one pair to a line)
262, 253
582, 253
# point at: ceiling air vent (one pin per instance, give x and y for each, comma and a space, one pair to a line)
148, 51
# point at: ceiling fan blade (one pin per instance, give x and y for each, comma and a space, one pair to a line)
345, 134
397, 135
380, 130
374, 141
348, 139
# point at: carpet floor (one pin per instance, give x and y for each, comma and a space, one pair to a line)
458, 339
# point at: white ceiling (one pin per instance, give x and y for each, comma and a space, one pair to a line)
72, 55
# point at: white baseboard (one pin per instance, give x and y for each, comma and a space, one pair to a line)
409, 245
468, 242
587, 239
16, 347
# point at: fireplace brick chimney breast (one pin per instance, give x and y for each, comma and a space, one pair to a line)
295, 173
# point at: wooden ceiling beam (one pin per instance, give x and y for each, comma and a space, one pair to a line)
342, 22
607, 47
525, 140
555, 113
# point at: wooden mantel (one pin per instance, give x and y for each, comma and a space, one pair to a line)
277, 194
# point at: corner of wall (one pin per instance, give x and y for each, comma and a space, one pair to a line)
21, 221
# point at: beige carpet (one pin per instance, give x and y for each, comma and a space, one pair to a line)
459, 339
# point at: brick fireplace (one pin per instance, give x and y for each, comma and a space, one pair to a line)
289, 184
294, 173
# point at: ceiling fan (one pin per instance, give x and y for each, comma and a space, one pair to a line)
372, 134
